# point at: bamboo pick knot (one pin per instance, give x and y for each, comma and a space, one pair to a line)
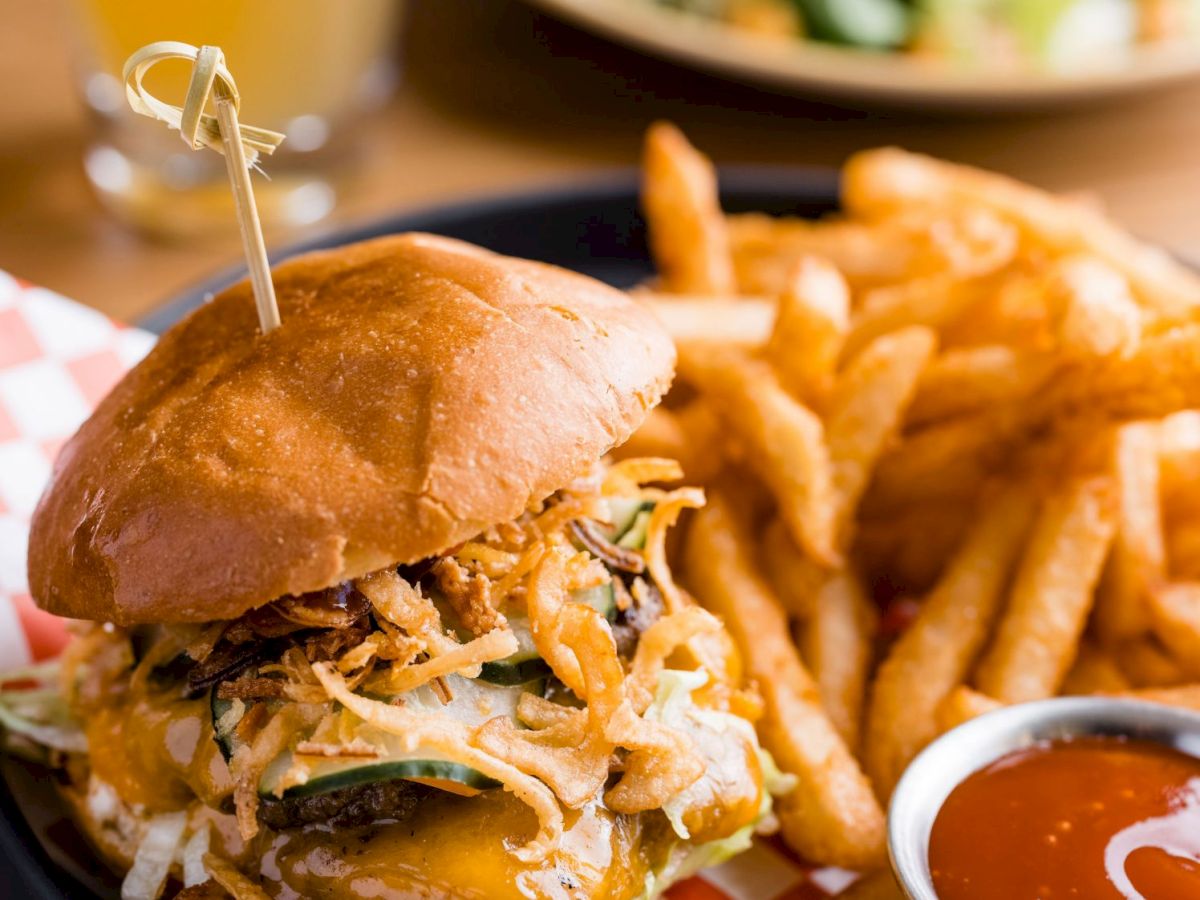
239, 144
210, 76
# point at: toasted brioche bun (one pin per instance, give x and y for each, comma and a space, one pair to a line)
419, 390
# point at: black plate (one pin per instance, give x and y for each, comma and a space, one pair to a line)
592, 227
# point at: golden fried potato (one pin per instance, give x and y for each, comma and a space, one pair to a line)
867, 408
1137, 562
1175, 616
934, 655
832, 815
876, 183
784, 439
962, 705
1094, 312
1052, 594
686, 229
838, 645
814, 314
962, 417
1095, 671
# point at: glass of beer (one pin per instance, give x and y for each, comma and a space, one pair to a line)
308, 68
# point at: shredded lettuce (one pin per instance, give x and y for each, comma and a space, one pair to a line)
191, 856
154, 857
672, 702
684, 861
673, 694
36, 711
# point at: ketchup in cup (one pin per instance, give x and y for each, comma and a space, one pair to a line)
1089, 818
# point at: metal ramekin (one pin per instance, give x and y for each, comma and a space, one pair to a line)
958, 753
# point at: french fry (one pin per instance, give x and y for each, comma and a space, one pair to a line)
1095, 313
867, 408
837, 644
1175, 615
766, 250
909, 550
1137, 562
832, 816
971, 379
970, 241
1183, 549
795, 578
1179, 465
785, 441
814, 313
1161, 377
1095, 671
1179, 447
961, 706
963, 242
1186, 696
876, 183
1147, 665
952, 331
686, 227
965, 311
744, 321
1036, 639
1013, 313
933, 302
660, 436
934, 655
945, 463
690, 435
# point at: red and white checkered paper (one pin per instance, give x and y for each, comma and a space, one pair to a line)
57, 359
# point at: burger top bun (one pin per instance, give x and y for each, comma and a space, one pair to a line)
419, 390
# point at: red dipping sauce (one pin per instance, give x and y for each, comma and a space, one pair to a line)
1091, 818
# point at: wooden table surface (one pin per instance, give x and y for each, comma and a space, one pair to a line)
496, 97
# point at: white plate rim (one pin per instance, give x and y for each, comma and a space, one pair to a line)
807, 67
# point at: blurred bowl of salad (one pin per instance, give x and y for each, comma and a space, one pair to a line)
948, 55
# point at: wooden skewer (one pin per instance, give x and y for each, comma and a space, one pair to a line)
210, 78
247, 213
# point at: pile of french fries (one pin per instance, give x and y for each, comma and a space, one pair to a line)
951, 461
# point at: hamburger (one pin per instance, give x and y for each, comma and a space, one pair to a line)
366, 611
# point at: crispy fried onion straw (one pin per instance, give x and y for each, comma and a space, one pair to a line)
570, 749
627, 476
529, 559
464, 658
251, 760
404, 606
571, 754
234, 882
665, 514
546, 599
450, 739
657, 643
